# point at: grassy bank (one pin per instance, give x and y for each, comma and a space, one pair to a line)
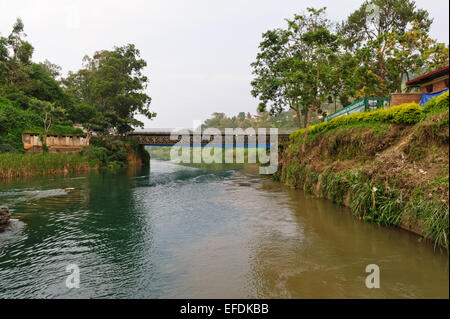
14, 165
108, 155
390, 167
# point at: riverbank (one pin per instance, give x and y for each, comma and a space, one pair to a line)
110, 155
388, 173
17, 165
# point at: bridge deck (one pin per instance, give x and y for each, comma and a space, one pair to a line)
192, 138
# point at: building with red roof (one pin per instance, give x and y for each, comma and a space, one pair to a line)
431, 82
425, 86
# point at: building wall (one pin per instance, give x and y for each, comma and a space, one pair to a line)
400, 98
55, 143
437, 85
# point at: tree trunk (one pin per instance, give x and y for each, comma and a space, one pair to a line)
308, 120
299, 117
88, 137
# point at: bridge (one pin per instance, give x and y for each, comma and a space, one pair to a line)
188, 138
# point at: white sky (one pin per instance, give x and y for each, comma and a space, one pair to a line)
198, 52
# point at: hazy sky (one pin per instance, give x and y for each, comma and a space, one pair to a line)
198, 52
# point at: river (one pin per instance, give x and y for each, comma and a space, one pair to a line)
181, 232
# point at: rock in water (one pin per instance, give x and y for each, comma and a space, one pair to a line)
4, 217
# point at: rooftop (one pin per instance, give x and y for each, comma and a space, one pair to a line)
429, 76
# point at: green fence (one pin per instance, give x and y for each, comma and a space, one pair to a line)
362, 105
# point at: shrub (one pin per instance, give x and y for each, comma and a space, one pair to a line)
13, 121
108, 152
96, 154
6, 148
436, 105
408, 113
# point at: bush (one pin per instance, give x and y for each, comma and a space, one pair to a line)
13, 121
436, 105
408, 113
108, 152
96, 154
6, 148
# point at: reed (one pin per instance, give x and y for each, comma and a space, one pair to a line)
13, 165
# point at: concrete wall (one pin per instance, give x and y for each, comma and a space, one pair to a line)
400, 98
55, 143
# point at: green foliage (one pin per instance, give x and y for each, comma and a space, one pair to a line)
14, 165
435, 217
5, 148
13, 121
43, 87
376, 204
81, 113
371, 202
403, 114
96, 154
104, 97
436, 105
390, 39
282, 120
58, 130
110, 153
408, 113
113, 83
371, 53
336, 186
293, 66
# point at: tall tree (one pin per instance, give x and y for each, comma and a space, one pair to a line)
15, 56
294, 66
50, 115
276, 82
343, 82
287, 60
52, 69
113, 82
381, 33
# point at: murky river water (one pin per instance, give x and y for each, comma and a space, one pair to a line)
180, 232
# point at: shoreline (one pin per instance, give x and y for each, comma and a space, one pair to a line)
388, 174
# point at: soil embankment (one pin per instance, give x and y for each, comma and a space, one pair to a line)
391, 174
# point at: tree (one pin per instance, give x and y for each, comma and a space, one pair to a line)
294, 66
343, 82
380, 34
50, 115
113, 82
87, 116
413, 52
319, 47
291, 68
276, 82
15, 68
50, 68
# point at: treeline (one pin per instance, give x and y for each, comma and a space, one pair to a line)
103, 97
283, 120
371, 53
